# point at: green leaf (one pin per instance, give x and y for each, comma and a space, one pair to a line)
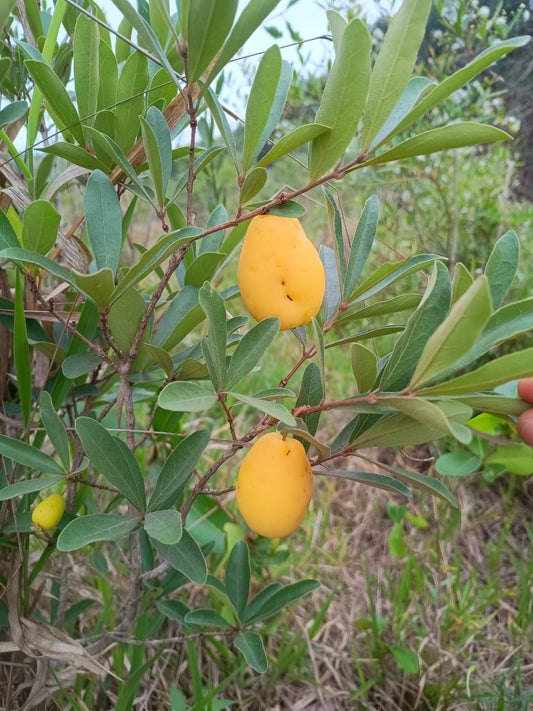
25, 256
21, 349
12, 112
250, 644
108, 70
420, 481
253, 184
8, 236
206, 37
278, 599
497, 404
462, 281
337, 25
260, 102
113, 459
186, 557
361, 245
378, 481
343, 99
455, 335
311, 393
332, 293
164, 526
250, 19
162, 358
366, 335
40, 226
124, 318
445, 138
103, 218
394, 65
161, 133
206, 618
86, 66
431, 311
74, 154
132, 82
59, 105
516, 458
337, 223
223, 126
203, 268
414, 89
250, 349
29, 486
300, 431
184, 396
215, 348
502, 266
461, 77
292, 141
238, 576
55, 429
430, 415
98, 286
274, 409
5, 11
458, 463
154, 158
406, 660
95, 527
80, 364
394, 305
364, 367
512, 366
177, 470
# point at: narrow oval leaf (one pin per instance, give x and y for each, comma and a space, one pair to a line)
29, 456
12, 112
185, 557
343, 99
55, 429
394, 65
462, 281
95, 527
161, 132
86, 46
8, 236
253, 184
184, 396
29, 486
132, 82
177, 470
250, 349
332, 292
420, 481
40, 225
104, 220
274, 409
74, 154
281, 597
361, 245
21, 349
293, 140
364, 367
502, 266
213, 305
458, 463
238, 576
251, 646
113, 460
98, 286
311, 393
378, 481
206, 618
206, 36
164, 526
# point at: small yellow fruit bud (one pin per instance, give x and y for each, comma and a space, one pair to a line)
47, 514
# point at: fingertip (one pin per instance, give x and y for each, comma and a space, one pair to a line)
524, 427
525, 389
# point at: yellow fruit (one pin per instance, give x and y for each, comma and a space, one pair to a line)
280, 273
274, 486
47, 514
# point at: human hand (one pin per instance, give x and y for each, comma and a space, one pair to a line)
524, 426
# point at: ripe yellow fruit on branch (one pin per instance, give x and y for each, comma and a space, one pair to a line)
47, 514
274, 485
280, 273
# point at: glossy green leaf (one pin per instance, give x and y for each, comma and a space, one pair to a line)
343, 99
378, 481
177, 470
55, 429
512, 366
462, 281
516, 458
113, 460
364, 367
253, 184
40, 226
455, 335
394, 65
293, 140
21, 349
164, 526
251, 646
250, 19
250, 349
238, 576
95, 527
99, 286
29, 486
414, 89
206, 37
86, 66
445, 138
273, 603
361, 245
502, 266
132, 82
103, 219
186, 557
184, 396
214, 349
457, 80
407, 350
274, 409
458, 463
260, 103
58, 102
